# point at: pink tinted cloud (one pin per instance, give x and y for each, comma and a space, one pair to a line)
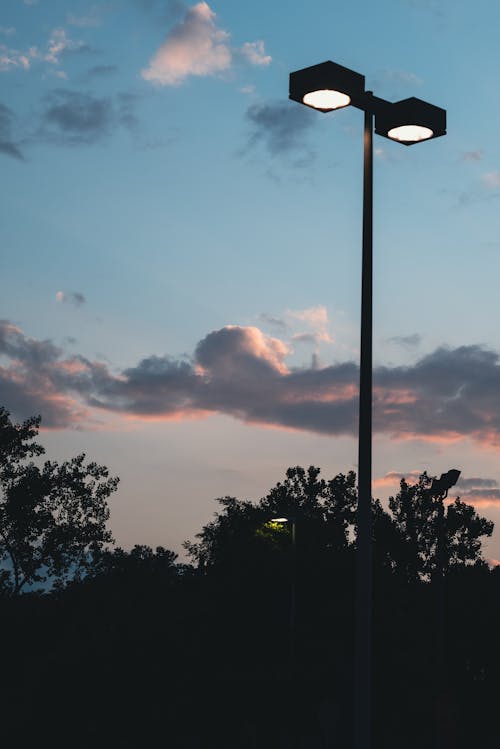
240, 371
491, 179
392, 479
316, 319
197, 46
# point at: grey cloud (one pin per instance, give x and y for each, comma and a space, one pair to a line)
79, 117
99, 71
478, 490
402, 77
482, 494
305, 338
476, 483
275, 321
472, 155
73, 117
8, 145
241, 372
280, 126
71, 297
406, 340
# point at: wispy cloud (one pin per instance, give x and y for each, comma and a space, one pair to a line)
280, 126
58, 47
406, 340
12, 59
316, 319
276, 322
89, 19
474, 490
491, 179
7, 30
8, 144
402, 77
70, 297
196, 46
476, 155
74, 117
61, 45
479, 491
392, 479
255, 53
101, 71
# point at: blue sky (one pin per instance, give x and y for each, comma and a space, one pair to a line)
181, 247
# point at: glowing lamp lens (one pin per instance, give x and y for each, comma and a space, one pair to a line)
410, 133
325, 98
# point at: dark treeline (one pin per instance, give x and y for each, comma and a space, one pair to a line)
134, 649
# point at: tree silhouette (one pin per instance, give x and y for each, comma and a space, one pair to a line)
52, 517
431, 537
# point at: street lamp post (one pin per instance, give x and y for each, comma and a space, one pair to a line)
293, 592
439, 491
326, 87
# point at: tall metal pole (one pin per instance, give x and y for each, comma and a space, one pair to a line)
362, 675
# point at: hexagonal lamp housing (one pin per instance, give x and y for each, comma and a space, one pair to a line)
327, 76
411, 113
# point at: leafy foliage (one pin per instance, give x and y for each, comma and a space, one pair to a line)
430, 535
52, 517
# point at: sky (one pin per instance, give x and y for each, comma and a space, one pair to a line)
181, 248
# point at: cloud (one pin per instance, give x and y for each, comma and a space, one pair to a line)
491, 179
315, 318
277, 322
406, 340
99, 71
475, 483
59, 46
74, 117
403, 77
475, 491
255, 53
91, 19
12, 59
280, 126
8, 145
472, 155
483, 492
194, 46
305, 338
71, 297
7, 30
392, 479
240, 371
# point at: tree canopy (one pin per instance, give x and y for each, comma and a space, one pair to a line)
52, 516
409, 535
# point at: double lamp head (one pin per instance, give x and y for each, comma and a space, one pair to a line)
329, 86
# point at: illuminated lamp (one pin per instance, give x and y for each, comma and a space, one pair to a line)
410, 121
326, 86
